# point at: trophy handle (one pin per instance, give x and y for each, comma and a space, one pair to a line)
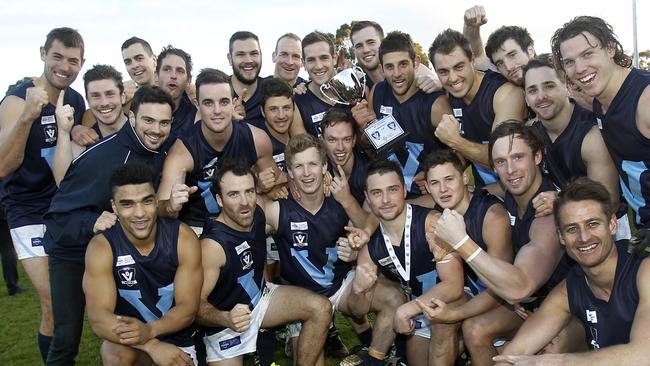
325, 87
358, 70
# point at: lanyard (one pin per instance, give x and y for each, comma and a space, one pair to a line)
404, 272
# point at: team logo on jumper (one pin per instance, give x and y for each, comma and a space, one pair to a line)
127, 276
513, 219
300, 239
386, 110
246, 260
279, 161
592, 317
49, 131
123, 260
209, 168
302, 225
241, 247
229, 343
385, 261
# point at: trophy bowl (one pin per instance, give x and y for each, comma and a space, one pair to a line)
347, 87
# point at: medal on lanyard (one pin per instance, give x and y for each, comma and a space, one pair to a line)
404, 271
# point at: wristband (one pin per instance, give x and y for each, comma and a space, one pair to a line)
461, 242
474, 255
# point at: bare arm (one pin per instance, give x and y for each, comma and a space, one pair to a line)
99, 288
540, 328
474, 18
213, 259
509, 104
448, 131
298, 125
363, 284
187, 285
179, 161
438, 109
600, 166
643, 113
16, 117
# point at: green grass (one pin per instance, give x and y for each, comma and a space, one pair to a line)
19, 322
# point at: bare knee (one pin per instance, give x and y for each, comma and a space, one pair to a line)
476, 332
319, 308
117, 355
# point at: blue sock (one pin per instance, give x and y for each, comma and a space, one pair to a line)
44, 345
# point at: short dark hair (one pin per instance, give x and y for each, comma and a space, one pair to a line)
446, 41
359, 25
103, 72
171, 50
236, 166
150, 94
382, 166
300, 143
583, 189
440, 157
336, 115
240, 36
537, 63
68, 36
518, 34
287, 35
133, 172
315, 37
133, 40
275, 87
514, 128
210, 76
595, 26
396, 41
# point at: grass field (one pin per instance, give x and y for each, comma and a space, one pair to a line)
19, 325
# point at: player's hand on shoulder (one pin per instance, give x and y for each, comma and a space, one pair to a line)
426, 79
132, 331
543, 203
240, 318
84, 135
167, 354
300, 89
267, 179
278, 192
104, 222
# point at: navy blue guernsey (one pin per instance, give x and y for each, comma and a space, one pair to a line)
520, 235
28, 191
414, 115
277, 146
607, 323
85, 191
357, 176
477, 118
423, 274
630, 150
312, 110
253, 105
474, 218
145, 283
183, 117
241, 279
307, 246
563, 157
207, 161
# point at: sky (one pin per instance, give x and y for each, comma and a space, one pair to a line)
203, 27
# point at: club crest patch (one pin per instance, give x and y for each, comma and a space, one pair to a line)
127, 276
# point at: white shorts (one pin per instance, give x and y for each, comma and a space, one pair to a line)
198, 230
623, 231
272, 254
28, 241
229, 344
191, 351
422, 326
294, 328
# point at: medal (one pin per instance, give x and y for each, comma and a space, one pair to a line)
404, 271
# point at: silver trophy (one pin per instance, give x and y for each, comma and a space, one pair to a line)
347, 87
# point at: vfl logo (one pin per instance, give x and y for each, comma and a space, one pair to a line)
594, 337
209, 168
50, 133
513, 219
592, 317
37, 242
127, 276
300, 239
246, 260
